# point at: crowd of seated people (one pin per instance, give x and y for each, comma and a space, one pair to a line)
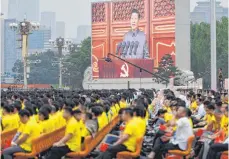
176, 116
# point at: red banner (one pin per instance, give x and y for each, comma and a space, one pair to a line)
121, 69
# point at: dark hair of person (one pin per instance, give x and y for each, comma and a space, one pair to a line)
76, 102
15, 96
96, 111
77, 111
207, 102
45, 100
69, 110
181, 103
44, 113
47, 107
124, 97
30, 110
89, 116
210, 106
188, 112
18, 106
149, 100
56, 105
121, 111
218, 103
106, 108
8, 108
128, 111
200, 99
69, 103
24, 112
140, 112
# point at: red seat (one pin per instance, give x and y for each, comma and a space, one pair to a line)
224, 155
131, 155
178, 154
6, 138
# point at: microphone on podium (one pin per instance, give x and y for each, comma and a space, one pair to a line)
131, 47
127, 47
135, 47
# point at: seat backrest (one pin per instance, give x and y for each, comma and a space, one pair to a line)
90, 143
101, 134
189, 144
45, 141
139, 145
6, 138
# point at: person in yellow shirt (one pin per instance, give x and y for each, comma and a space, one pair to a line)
122, 102
223, 132
17, 108
99, 114
79, 118
194, 105
139, 119
24, 142
113, 108
71, 142
224, 121
210, 120
127, 141
9, 120
46, 125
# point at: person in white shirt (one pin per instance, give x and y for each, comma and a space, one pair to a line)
180, 138
201, 111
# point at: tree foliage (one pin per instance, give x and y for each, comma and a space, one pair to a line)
47, 71
167, 68
201, 49
40, 73
76, 63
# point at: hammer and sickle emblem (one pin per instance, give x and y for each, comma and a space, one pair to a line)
124, 70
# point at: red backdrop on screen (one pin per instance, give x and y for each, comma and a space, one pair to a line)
111, 20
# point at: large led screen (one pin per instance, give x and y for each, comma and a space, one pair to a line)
140, 32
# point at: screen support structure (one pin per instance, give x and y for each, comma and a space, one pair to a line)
140, 68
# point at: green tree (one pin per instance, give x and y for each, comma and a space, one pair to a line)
201, 50
42, 70
46, 71
18, 70
167, 68
76, 63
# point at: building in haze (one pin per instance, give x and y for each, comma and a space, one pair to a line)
39, 40
48, 19
60, 29
83, 31
11, 51
19, 9
201, 12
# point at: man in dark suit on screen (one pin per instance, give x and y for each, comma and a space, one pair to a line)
134, 43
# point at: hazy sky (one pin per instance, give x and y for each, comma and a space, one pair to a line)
75, 12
